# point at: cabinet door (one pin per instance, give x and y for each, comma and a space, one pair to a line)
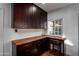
18, 21
43, 20
29, 15
36, 17
31, 49
19, 50
45, 44
27, 49
24, 50
22, 15
37, 45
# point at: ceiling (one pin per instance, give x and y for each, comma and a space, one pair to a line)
51, 6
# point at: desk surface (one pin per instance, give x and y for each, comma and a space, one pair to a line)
30, 39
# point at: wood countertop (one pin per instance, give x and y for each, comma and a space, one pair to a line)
30, 39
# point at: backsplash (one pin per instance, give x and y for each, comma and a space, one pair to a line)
24, 33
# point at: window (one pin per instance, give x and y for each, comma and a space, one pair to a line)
55, 27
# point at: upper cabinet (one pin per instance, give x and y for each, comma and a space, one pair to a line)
28, 16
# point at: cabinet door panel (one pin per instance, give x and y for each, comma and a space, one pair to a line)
19, 51
36, 17
43, 20
28, 15
18, 16
44, 44
27, 50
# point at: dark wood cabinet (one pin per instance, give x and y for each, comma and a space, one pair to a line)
19, 50
44, 45
27, 49
35, 48
28, 16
